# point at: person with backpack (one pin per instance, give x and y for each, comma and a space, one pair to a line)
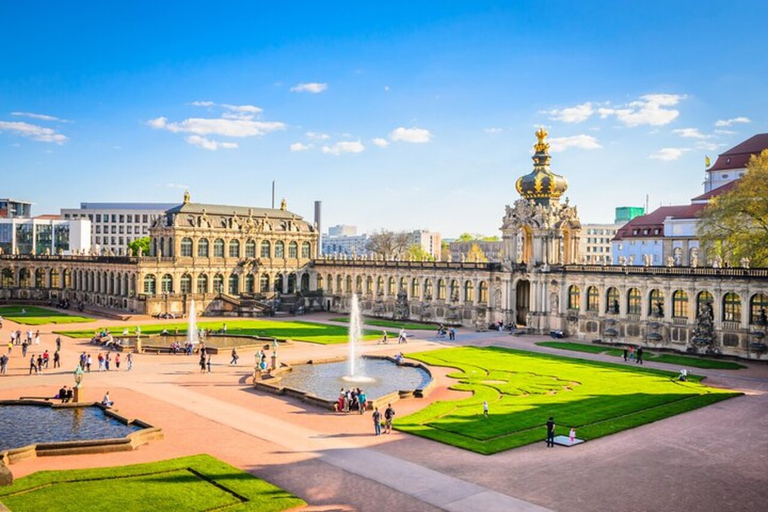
389, 415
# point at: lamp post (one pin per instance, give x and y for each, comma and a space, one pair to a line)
78, 374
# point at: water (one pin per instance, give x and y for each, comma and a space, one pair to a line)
355, 335
22, 425
326, 379
192, 325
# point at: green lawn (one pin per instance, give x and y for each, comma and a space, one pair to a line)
197, 483
694, 362
297, 331
39, 316
391, 324
524, 389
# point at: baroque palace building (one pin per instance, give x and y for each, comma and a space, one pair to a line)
232, 260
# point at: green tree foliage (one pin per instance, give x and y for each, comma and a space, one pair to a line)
735, 225
142, 243
476, 254
417, 253
465, 237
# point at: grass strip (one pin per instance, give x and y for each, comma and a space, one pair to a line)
34, 315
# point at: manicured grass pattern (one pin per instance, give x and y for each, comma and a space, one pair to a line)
693, 362
390, 324
197, 483
297, 331
523, 389
39, 316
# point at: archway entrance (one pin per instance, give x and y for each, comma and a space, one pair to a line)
522, 301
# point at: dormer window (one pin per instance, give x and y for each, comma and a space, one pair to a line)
645, 231
727, 160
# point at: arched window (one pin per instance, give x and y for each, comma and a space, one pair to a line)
234, 248
202, 283
634, 301
39, 278
469, 291
379, 285
264, 283
329, 280
391, 287
186, 247
150, 284
359, 284
304, 282
319, 281
185, 284
266, 249
67, 278
306, 250
731, 307
218, 248
612, 301
55, 283
167, 283
339, 284
202, 248
415, 288
441, 289
249, 283
250, 249
680, 304
656, 303
758, 309
293, 249
292, 282
7, 280
593, 299
24, 278
369, 285
403, 285
278, 283
233, 284
454, 290
279, 249
427, 289
483, 289
702, 300
349, 284
574, 297
218, 283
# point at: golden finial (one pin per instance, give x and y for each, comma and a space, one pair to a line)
283, 205
541, 146
186, 197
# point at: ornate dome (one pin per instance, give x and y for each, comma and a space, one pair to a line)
541, 185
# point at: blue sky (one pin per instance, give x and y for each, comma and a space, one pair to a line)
399, 115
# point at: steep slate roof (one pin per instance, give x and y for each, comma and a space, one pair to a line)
738, 156
241, 211
654, 221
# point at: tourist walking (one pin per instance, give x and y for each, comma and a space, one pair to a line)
362, 400
389, 415
117, 362
32, 365
107, 360
129, 358
384, 338
551, 432
88, 362
452, 334
639, 359
376, 421
631, 352
402, 337
58, 343
235, 357
209, 364
3, 364
10, 347
101, 362
39, 364
24, 346
56, 360
625, 354
202, 362
46, 358
37, 337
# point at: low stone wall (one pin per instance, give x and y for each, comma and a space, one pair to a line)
128, 443
270, 382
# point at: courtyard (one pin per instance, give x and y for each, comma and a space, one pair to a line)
334, 462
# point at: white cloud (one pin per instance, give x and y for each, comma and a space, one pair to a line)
577, 114
493, 130
691, 133
238, 127
202, 103
248, 109
318, 136
669, 154
41, 117
311, 87
725, 132
709, 146
298, 146
344, 147
650, 109
413, 135
729, 122
382, 143
209, 144
558, 144
36, 132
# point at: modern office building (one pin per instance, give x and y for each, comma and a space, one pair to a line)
115, 225
42, 236
15, 208
342, 230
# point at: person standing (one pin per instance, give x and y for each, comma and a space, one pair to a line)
32, 365
202, 362
107, 360
384, 337
376, 421
209, 363
37, 337
129, 358
56, 359
551, 432
3, 364
631, 352
101, 362
58, 343
24, 346
485, 408
88, 362
362, 400
235, 357
625, 354
389, 415
117, 362
639, 359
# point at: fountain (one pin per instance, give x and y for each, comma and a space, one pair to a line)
192, 325
355, 335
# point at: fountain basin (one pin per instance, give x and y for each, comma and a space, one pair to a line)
215, 342
31, 428
319, 382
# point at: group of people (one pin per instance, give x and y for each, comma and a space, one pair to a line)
105, 361
383, 425
205, 359
632, 354
442, 331
65, 394
353, 399
551, 433
23, 339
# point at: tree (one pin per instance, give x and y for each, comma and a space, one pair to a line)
493, 238
476, 254
735, 224
417, 253
389, 244
466, 237
142, 243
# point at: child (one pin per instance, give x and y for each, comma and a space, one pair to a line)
485, 408
572, 434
